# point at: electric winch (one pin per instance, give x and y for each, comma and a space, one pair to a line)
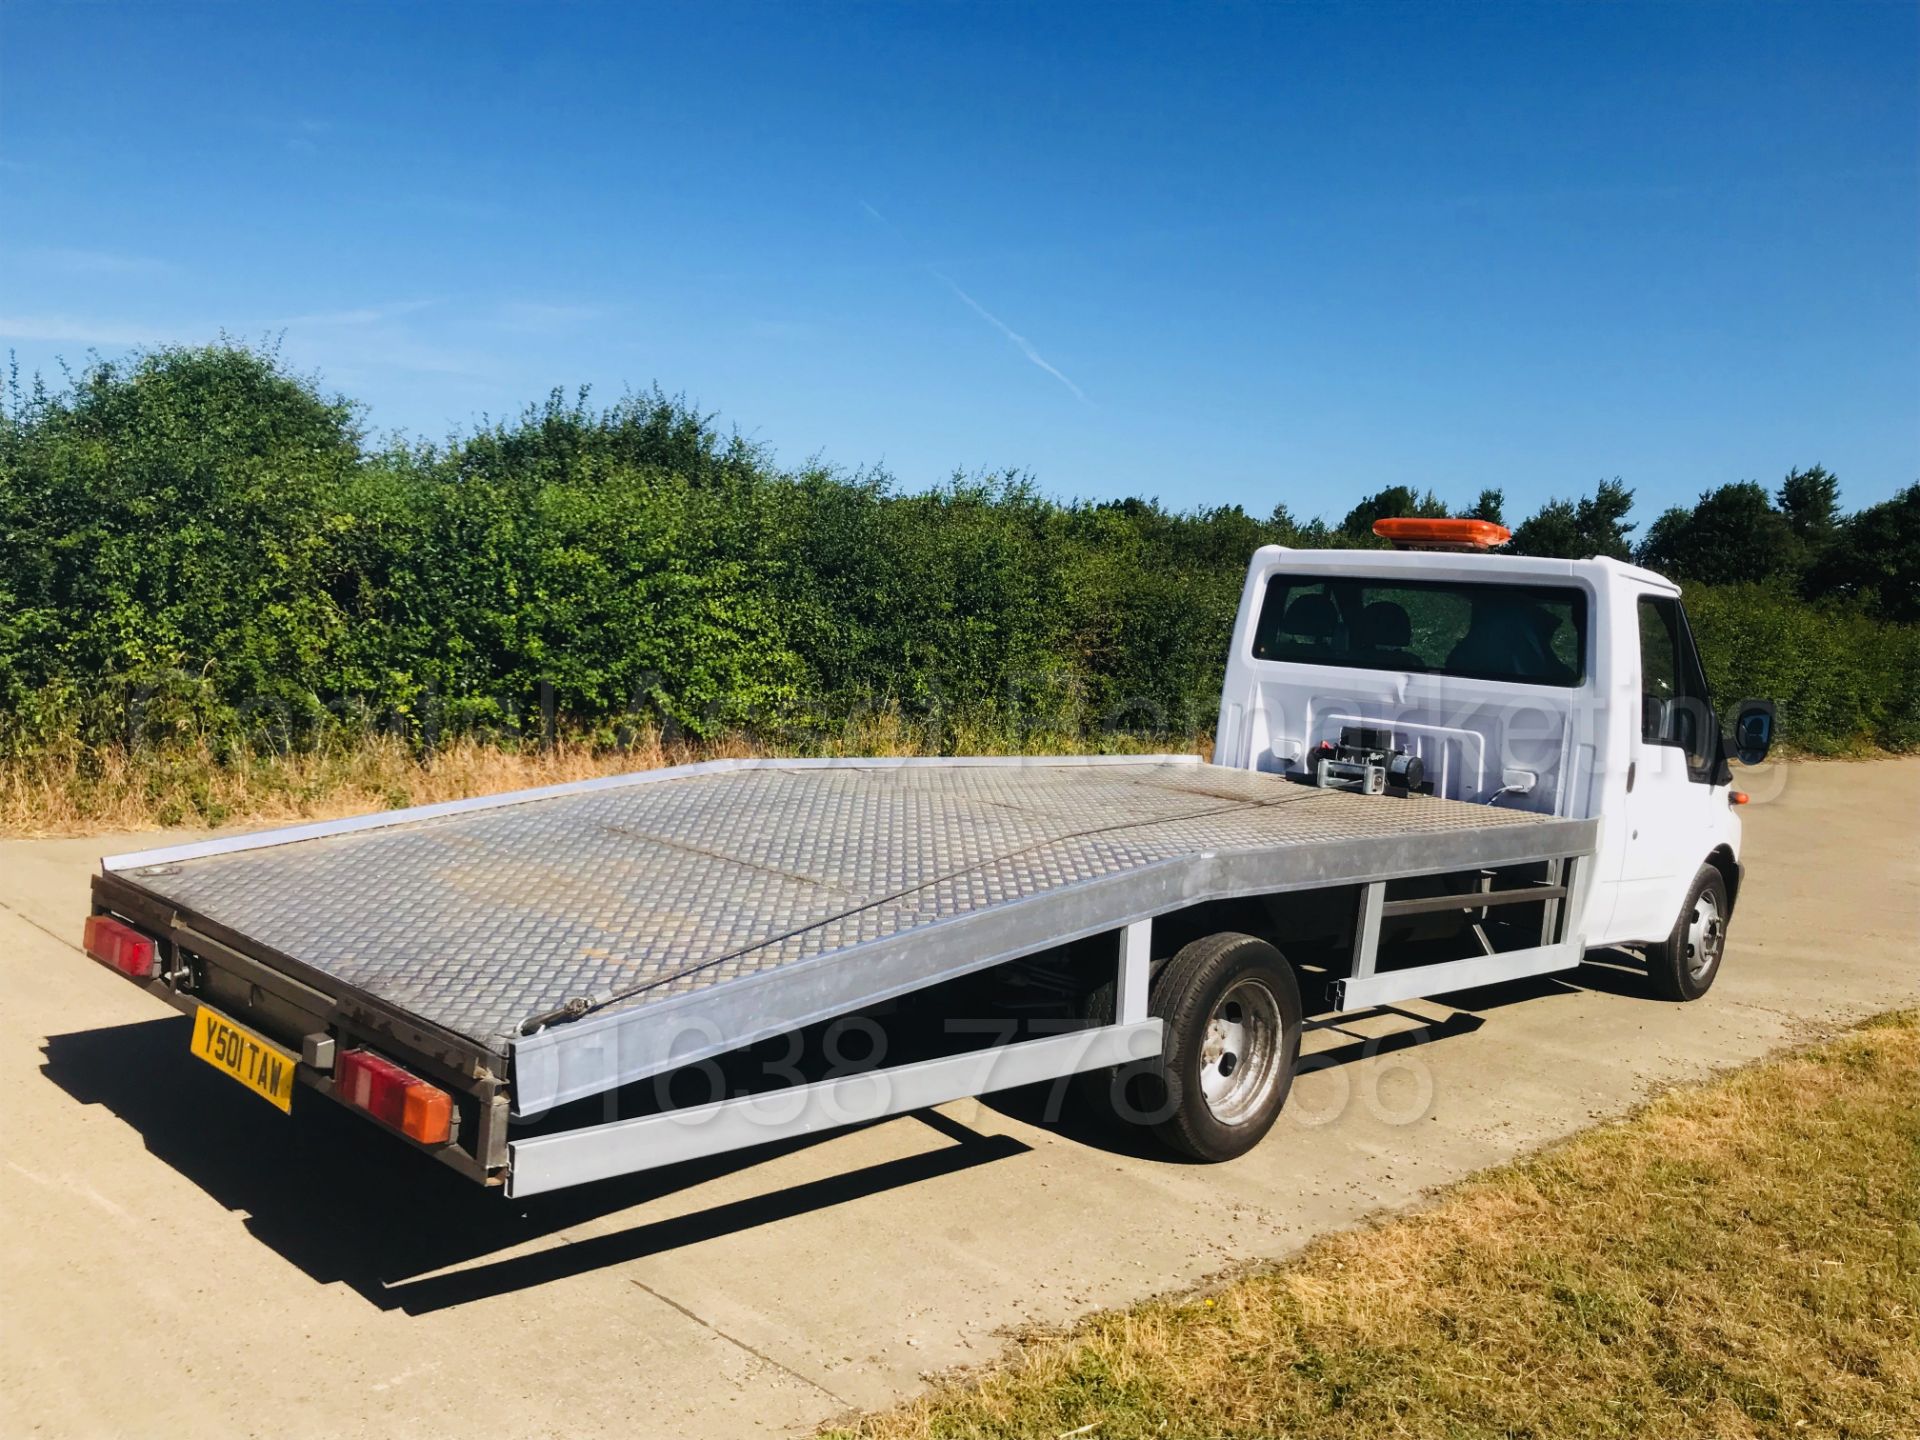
1366, 760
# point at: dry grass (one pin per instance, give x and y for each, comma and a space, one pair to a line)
1739, 1259
89, 791
117, 790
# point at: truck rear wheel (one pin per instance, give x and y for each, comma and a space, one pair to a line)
1233, 1016
1683, 966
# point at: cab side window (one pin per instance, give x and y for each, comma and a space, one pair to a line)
1674, 706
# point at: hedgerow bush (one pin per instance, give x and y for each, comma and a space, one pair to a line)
1843, 680
198, 544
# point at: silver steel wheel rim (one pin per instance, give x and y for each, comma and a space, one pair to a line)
1240, 1051
1706, 934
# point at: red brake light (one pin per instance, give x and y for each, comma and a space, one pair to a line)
113, 942
399, 1097
1412, 533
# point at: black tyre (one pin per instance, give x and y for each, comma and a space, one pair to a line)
1232, 1013
1117, 1096
1683, 966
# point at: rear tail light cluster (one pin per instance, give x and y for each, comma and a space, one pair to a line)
113, 942
398, 1097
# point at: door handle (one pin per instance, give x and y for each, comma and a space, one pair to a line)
1633, 768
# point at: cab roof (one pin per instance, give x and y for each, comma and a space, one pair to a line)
1466, 565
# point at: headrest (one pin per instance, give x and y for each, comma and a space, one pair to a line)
1310, 617
1386, 625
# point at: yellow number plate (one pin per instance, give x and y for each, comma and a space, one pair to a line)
260, 1065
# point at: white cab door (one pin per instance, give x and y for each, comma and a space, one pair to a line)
1671, 792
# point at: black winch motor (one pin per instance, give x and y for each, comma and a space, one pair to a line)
1365, 760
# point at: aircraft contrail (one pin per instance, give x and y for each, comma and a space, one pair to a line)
1025, 345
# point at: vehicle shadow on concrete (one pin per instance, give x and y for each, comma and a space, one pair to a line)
347, 1205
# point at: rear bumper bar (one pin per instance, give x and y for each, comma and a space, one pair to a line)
199, 973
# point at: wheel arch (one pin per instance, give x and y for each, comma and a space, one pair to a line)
1722, 859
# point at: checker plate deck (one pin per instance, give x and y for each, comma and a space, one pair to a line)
642, 891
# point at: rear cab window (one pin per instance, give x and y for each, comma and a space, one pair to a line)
1473, 630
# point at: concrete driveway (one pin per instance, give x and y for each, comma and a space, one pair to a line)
176, 1255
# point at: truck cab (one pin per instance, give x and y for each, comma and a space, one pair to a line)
1565, 687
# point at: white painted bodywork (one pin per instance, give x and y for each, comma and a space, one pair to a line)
1576, 752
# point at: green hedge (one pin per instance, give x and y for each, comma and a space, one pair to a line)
198, 543
1843, 680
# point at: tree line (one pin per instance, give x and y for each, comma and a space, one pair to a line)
197, 542
1795, 536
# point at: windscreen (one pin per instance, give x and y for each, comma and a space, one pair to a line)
1530, 634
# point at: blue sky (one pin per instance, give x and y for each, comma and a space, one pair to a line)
1245, 253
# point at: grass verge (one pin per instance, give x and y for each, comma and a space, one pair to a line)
82, 790
1739, 1258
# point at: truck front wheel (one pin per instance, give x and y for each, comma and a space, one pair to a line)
1683, 966
1233, 1016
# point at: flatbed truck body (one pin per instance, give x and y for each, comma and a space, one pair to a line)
542, 947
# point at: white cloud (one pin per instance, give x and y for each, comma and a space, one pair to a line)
81, 330
362, 315
338, 343
781, 329
535, 315
304, 135
376, 337
403, 353
79, 261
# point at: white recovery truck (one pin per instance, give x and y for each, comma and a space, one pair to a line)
1435, 769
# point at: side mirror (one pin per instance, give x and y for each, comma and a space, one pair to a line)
1753, 731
